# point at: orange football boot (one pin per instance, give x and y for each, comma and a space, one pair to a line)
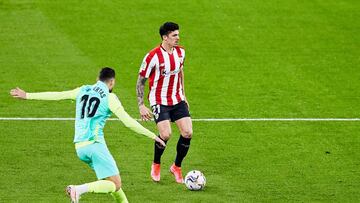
176, 171
155, 172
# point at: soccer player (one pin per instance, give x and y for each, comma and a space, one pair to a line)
164, 67
94, 104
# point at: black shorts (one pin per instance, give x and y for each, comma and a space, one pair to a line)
173, 113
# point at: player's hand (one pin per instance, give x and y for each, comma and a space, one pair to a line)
18, 93
157, 139
145, 113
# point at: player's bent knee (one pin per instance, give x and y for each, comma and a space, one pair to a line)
117, 184
165, 135
187, 133
116, 181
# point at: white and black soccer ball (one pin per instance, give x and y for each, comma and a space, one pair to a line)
195, 180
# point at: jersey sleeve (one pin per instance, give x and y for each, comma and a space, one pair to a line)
71, 94
148, 64
116, 107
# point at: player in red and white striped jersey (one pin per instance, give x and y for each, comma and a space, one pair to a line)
163, 66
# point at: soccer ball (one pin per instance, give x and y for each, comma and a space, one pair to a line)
195, 180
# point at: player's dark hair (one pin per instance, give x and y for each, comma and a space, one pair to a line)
106, 74
168, 27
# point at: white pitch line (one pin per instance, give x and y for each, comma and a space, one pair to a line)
277, 119
196, 119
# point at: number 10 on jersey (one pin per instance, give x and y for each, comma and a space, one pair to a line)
92, 105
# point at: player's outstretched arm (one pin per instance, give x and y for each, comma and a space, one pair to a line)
116, 107
21, 94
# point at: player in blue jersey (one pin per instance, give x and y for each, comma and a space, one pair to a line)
94, 104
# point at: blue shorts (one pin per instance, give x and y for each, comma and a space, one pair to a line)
98, 157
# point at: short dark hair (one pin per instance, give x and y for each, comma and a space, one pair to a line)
168, 27
106, 74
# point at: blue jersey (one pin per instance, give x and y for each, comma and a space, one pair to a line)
92, 110
94, 104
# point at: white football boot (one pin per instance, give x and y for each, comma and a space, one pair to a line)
73, 195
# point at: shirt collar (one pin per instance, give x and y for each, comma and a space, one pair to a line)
102, 85
165, 49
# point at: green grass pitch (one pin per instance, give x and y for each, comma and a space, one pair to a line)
245, 59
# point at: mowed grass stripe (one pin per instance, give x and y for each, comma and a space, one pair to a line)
253, 162
37, 56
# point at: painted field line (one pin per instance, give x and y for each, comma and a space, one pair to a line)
196, 119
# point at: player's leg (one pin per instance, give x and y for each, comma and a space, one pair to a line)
164, 129
119, 194
185, 128
110, 185
98, 157
181, 116
161, 117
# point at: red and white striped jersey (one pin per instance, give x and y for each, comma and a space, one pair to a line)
164, 73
